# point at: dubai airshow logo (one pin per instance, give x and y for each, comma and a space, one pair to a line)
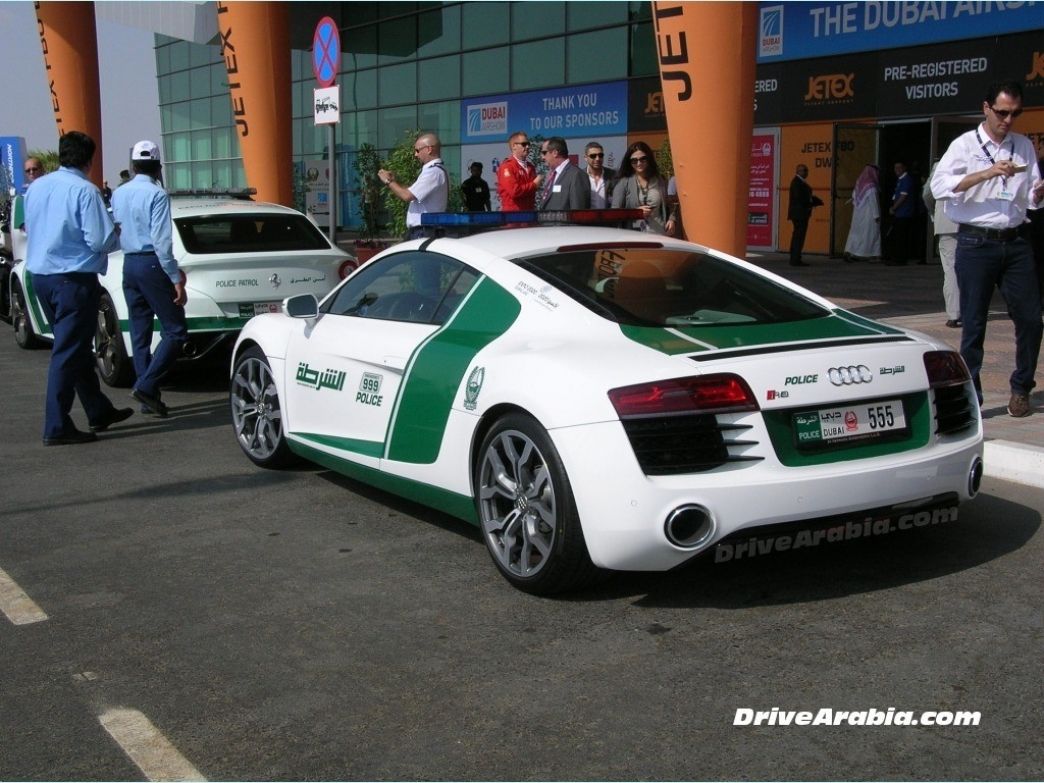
770, 42
487, 119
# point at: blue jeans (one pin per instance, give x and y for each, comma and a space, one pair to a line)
70, 302
983, 265
149, 293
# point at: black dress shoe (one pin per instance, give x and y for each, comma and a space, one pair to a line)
115, 416
799, 263
155, 403
71, 439
954, 323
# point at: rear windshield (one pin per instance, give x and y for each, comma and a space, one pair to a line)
249, 233
660, 287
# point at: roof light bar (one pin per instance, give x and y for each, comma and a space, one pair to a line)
556, 217
241, 193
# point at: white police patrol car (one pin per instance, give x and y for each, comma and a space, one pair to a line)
597, 398
239, 258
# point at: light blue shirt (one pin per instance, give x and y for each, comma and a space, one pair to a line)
68, 227
142, 208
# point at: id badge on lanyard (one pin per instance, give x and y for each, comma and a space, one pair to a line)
1005, 193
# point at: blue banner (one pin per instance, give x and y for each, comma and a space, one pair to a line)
589, 111
12, 156
797, 30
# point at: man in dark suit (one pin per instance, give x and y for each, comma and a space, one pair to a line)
799, 212
566, 186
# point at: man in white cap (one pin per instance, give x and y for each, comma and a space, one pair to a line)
152, 283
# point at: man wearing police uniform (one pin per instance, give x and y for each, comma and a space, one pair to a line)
70, 236
152, 283
429, 192
989, 178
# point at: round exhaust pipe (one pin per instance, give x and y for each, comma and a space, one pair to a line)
689, 526
975, 477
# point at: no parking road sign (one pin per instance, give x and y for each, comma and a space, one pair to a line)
326, 52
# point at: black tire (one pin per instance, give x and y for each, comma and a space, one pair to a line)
526, 510
25, 337
257, 415
5, 291
114, 365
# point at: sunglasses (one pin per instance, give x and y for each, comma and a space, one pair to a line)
639, 159
520, 143
422, 147
1005, 113
544, 152
594, 155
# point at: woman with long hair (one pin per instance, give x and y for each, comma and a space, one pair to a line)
640, 186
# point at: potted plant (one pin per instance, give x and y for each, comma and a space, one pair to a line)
366, 164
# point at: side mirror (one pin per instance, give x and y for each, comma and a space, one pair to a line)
301, 306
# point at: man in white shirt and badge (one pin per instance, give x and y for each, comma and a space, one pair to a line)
988, 179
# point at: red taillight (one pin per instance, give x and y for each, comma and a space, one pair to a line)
723, 393
945, 368
347, 267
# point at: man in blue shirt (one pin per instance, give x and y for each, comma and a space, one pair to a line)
152, 283
70, 235
903, 211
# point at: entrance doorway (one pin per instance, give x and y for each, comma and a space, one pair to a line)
917, 143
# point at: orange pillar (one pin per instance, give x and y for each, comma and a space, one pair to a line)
706, 53
70, 50
255, 43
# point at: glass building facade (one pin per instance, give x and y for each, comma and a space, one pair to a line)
405, 66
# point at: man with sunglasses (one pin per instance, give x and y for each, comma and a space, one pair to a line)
567, 187
988, 179
602, 179
517, 178
429, 192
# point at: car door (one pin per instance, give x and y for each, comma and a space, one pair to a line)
345, 372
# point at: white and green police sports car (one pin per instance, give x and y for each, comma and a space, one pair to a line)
239, 258
595, 398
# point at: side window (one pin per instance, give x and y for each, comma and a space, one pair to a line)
414, 286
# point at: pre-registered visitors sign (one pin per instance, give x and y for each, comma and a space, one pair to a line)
326, 52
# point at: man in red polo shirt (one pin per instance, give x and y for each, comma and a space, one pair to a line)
517, 180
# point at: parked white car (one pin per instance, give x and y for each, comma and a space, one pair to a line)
239, 258
597, 398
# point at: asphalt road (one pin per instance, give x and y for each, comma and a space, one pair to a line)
297, 625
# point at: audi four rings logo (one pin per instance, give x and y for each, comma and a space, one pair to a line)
845, 376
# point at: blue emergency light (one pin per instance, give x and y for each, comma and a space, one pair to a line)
479, 220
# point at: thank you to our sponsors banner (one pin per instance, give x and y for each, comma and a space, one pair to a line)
590, 111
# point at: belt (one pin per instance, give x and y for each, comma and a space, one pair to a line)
997, 234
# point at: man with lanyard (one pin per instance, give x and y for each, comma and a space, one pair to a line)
70, 236
429, 192
989, 178
517, 179
476, 190
152, 283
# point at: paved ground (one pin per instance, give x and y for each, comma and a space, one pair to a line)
911, 297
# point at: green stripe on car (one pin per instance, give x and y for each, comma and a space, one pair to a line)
452, 503
673, 341
436, 369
